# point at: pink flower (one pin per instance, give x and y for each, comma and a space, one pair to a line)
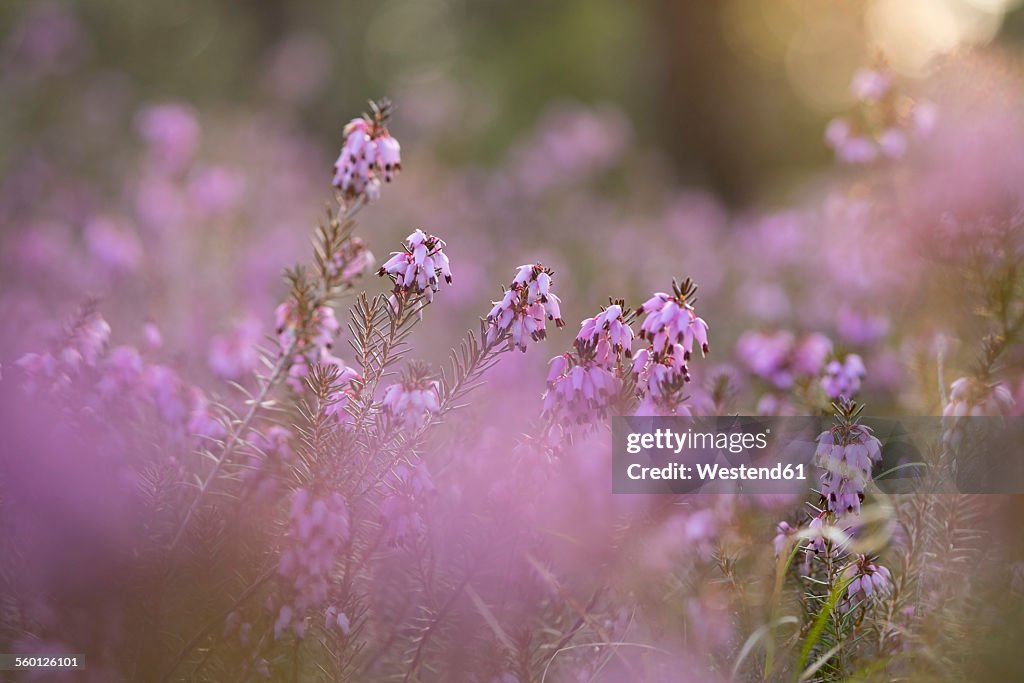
415, 400
867, 580
522, 311
843, 378
236, 353
580, 388
671, 322
416, 269
871, 85
608, 332
172, 133
368, 154
846, 456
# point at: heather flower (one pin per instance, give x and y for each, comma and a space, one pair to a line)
201, 421
867, 580
401, 510
608, 332
671, 322
767, 355
165, 390
236, 353
846, 454
116, 247
971, 397
312, 341
816, 532
783, 532
660, 380
415, 400
351, 261
527, 303
416, 269
122, 371
368, 154
172, 133
318, 528
580, 387
884, 124
843, 378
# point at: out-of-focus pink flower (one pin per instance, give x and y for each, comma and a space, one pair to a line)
843, 378
871, 85
215, 190
299, 67
413, 401
171, 131
579, 392
318, 528
115, 246
236, 353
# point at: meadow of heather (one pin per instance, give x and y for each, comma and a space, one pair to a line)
314, 318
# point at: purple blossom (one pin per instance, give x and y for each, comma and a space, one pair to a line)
846, 455
672, 324
415, 400
171, 131
416, 269
318, 528
580, 388
368, 154
522, 311
843, 378
868, 581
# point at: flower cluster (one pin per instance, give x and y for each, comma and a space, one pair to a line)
671, 327
608, 332
671, 322
779, 359
582, 384
522, 311
843, 378
885, 123
368, 154
414, 400
867, 579
82, 346
846, 453
313, 339
352, 260
971, 397
318, 529
580, 387
416, 269
408, 486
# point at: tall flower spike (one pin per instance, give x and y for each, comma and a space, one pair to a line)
527, 303
368, 154
846, 455
416, 269
671, 322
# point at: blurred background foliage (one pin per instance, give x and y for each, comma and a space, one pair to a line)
737, 92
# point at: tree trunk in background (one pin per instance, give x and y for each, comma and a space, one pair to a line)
701, 110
